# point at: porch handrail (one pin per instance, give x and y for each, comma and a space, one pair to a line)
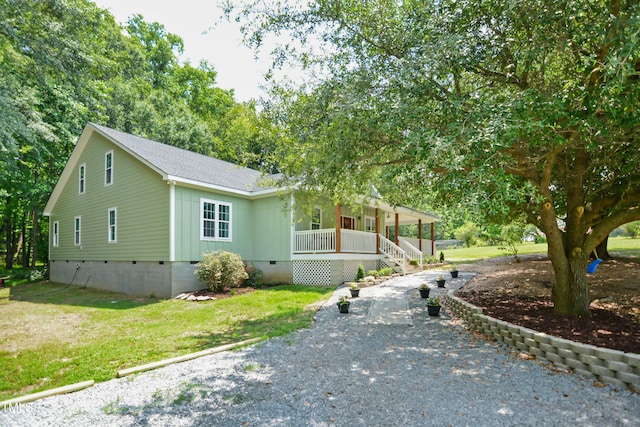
355, 241
394, 252
412, 251
315, 241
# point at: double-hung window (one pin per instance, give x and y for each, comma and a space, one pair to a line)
82, 178
108, 168
76, 230
369, 224
112, 228
316, 219
215, 220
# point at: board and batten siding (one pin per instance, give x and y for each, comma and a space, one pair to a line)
272, 229
189, 246
139, 195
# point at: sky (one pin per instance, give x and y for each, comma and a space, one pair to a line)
205, 36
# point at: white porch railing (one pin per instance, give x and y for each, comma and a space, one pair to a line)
394, 252
324, 241
359, 242
411, 251
427, 245
315, 241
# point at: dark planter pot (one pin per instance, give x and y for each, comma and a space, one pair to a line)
434, 310
454, 274
355, 293
440, 283
343, 308
424, 293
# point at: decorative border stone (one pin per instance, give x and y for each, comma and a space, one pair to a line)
609, 366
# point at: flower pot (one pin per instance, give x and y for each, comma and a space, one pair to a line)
440, 283
424, 293
355, 293
434, 310
343, 307
454, 274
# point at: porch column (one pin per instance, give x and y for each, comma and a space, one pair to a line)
433, 240
397, 228
377, 232
420, 234
338, 226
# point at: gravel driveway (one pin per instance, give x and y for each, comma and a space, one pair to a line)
348, 369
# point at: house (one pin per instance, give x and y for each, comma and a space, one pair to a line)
133, 215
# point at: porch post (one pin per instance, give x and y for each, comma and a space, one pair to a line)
338, 226
433, 240
397, 228
420, 234
377, 232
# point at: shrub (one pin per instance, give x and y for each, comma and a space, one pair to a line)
221, 269
386, 271
413, 262
360, 274
374, 273
255, 275
441, 256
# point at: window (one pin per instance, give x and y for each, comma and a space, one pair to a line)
108, 168
81, 178
76, 231
216, 220
369, 224
112, 229
56, 234
316, 219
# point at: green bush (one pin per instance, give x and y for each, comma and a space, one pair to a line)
254, 274
374, 273
221, 269
360, 274
386, 271
413, 262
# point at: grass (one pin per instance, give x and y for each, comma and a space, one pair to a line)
631, 247
52, 335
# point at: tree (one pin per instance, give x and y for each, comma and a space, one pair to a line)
467, 232
521, 108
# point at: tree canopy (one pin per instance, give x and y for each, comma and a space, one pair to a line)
64, 63
523, 109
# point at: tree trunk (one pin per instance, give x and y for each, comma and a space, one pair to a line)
570, 290
601, 249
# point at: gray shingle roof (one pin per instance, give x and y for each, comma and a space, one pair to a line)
185, 164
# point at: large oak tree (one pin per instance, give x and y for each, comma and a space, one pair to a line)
522, 108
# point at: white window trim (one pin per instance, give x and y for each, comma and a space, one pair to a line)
56, 234
82, 179
216, 220
106, 155
77, 231
372, 221
319, 223
115, 225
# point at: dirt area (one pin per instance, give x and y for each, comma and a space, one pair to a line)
520, 293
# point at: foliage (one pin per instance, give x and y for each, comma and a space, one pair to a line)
221, 269
413, 262
360, 272
374, 273
254, 275
385, 271
441, 256
632, 229
343, 300
515, 109
434, 301
468, 232
511, 236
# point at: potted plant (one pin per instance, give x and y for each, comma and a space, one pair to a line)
454, 271
433, 306
424, 290
343, 304
355, 290
440, 281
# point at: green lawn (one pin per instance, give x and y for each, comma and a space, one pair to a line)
631, 247
52, 335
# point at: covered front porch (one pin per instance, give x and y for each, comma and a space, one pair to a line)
379, 237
